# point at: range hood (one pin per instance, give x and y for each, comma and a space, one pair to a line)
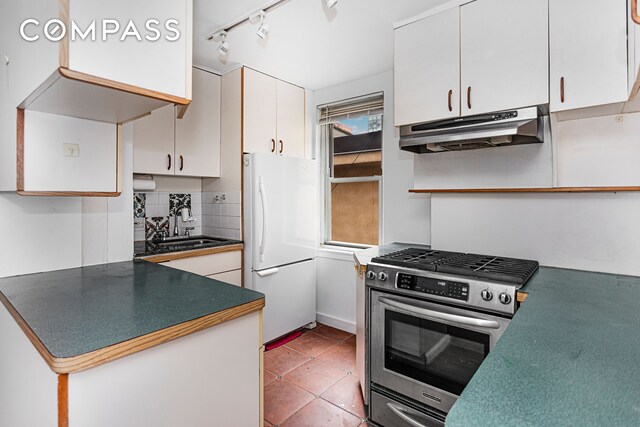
515, 127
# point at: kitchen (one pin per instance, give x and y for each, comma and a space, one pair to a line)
238, 174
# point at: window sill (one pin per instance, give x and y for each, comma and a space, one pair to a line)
340, 253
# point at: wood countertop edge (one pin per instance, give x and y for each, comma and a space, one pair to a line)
521, 296
135, 345
193, 253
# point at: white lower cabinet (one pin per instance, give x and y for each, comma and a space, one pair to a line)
233, 277
225, 267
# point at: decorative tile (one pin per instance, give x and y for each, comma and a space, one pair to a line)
177, 201
154, 225
139, 203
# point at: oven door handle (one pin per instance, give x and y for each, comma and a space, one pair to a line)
463, 320
400, 414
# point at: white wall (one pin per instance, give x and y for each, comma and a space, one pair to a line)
405, 217
596, 232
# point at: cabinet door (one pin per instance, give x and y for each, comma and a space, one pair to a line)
427, 69
162, 65
588, 53
504, 54
198, 132
290, 123
209, 265
260, 118
153, 142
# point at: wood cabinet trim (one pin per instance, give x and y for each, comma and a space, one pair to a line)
528, 190
634, 12
194, 253
63, 45
63, 400
521, 296
126, 348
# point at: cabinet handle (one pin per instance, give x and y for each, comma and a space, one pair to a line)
169, 157
562, 89
450, 100
281, 146
181, 163
273, 145
469, 97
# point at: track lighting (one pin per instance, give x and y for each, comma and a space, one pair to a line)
263, 30
223, 49
331, 3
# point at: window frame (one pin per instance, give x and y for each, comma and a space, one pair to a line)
325, 134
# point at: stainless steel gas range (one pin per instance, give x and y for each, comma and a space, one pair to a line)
433, 317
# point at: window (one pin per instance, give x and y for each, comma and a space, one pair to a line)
351, 138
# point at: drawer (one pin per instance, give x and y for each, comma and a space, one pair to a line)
233, 277
389, 413
207, 265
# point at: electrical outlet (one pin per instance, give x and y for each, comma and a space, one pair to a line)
619, 119
71, 150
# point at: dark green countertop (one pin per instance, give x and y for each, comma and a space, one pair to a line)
569, 357
74, 312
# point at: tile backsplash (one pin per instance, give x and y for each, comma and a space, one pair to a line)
216, 214
222, 214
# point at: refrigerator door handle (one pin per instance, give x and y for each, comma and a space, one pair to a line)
263, 198
269, 272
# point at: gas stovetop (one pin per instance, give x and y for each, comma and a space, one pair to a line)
493, 268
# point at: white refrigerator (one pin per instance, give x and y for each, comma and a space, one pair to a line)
279, 220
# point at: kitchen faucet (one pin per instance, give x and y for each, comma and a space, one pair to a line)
180, 212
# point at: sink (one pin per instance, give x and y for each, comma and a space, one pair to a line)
191, 241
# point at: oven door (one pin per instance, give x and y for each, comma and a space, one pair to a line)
425, 351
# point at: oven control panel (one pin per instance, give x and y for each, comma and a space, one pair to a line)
432, 286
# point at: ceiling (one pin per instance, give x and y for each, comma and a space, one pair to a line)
309, 44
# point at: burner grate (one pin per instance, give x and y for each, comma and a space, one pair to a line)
423, 259
511, 270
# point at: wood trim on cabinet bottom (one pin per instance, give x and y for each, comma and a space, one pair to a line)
63, 46
63, 400
20, 150
634, 12
521, 296
529, 190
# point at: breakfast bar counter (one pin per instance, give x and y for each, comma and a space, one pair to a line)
107, 335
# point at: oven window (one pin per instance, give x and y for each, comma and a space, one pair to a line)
442, 356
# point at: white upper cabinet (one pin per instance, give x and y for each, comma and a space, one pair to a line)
274, 116
504, 49
154, 142
197, 149
588, 53
260, 112
291, 120
164, 145
160, 65
427, 69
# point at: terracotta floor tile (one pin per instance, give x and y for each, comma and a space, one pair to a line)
331, 333
320, 413
268, 377
341, 356
282, 400
364, 425
311, 344
314, 376
268, 424
346, 394
351, 340
282, 360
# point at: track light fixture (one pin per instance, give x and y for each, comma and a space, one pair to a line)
331, 3
223, 49
263, 29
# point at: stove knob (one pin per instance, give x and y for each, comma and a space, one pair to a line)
486, 295
505, 298
371, 275
382, 276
